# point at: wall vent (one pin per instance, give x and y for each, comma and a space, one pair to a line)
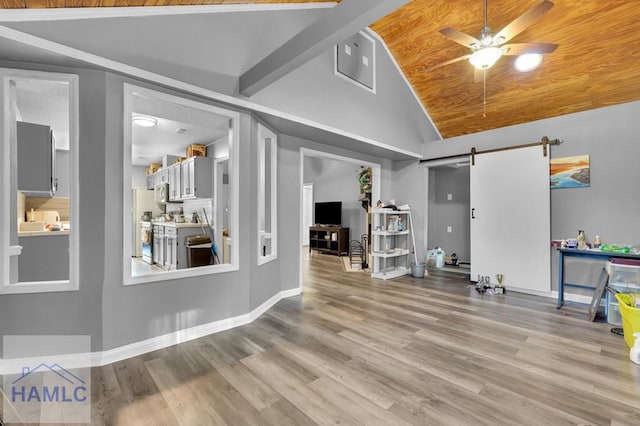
355, 61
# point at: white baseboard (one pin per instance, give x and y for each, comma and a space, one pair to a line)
568, 297
578, 298
170, 339
99, 359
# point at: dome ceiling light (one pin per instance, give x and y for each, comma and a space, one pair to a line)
144, 120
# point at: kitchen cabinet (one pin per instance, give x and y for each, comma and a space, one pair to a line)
158, 245
150, 182
175, 185
170, 248
160, 181
391, 243
197, 177
162, 176
36, 160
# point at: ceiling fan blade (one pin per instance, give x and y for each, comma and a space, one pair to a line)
523, 21
459, 37
516, 49
450, 61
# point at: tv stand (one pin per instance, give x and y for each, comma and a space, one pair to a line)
329, 239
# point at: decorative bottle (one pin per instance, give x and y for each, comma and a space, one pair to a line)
582, 243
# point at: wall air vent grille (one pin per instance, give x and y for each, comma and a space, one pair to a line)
355, 61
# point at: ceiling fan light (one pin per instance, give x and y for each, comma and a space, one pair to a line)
527, 62
485, 57
144, 120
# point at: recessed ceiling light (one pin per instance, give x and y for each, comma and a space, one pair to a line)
144, 120
180, 130
527, 62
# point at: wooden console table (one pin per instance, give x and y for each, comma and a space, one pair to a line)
329, 239
593, 254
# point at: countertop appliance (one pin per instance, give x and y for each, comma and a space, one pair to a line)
141, 202
46, 216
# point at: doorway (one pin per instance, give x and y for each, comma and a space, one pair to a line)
327, 177
509, 227
449, 204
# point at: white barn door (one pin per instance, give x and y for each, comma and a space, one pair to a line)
511, 219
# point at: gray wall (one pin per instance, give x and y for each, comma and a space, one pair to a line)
444, 212
114, 315
63, 173
609, 206
138, 312
392, 115
335, 180
138, 177
78, 312
408, 188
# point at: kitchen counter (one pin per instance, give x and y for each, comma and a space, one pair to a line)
181, 225
41, 233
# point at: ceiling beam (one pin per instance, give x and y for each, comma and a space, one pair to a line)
339, 23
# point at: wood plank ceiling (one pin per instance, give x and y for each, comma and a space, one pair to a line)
596, 64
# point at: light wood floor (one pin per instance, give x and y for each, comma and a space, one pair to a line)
355, 350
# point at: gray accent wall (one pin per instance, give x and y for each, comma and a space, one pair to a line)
138, 312
609, 206
77, 312
392, 115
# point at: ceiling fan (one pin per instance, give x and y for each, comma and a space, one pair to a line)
486, 50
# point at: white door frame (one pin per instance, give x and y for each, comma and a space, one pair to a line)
427, 165
305, 235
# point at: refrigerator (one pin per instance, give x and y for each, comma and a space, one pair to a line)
141, 201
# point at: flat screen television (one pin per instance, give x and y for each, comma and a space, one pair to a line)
328, 213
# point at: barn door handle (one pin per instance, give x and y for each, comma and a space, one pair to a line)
473, 213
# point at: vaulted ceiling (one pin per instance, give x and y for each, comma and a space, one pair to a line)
596, 64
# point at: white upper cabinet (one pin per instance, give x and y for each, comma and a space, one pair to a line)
197, 178
175, 182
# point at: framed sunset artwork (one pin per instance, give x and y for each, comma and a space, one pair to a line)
570, 172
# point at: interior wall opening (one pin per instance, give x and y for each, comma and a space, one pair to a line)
331, 187
39, 185
180, 187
